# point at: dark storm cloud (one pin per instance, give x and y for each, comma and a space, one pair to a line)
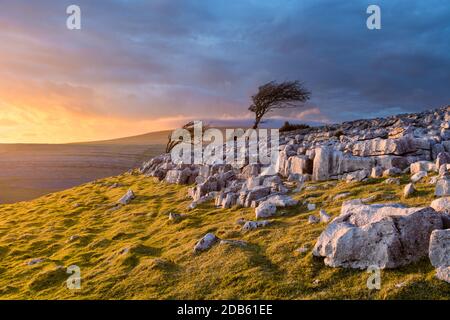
196, 58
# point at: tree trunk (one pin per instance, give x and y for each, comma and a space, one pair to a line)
257, 120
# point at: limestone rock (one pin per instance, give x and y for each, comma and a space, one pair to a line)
418, 176
386, 235
409, 190
439, 252
127, 197
377, 172
418, 166
265, 210
442, 188
324, 216
206, 242
441, 204
251, 225
313, 219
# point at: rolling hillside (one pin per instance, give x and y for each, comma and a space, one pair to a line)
135, 252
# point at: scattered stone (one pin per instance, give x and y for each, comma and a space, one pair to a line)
311, 206
433, 180
265, 210
324, 216
251, 225
303, 249
392, 181
206, 242
174, 216
369, 198
341, 195
124, 250
377, 172
281, 201
313, 219
392, 172
73, 237
418, 176
35, 261
442, 188
357, 176
240, 221
126, 198
418, 166
409, 190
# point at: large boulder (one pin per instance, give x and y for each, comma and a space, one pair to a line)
442, 187
385, 235
439, 253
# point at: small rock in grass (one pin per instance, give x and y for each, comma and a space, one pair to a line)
174, 216
324, 216
206, 242
409, 190
127, 197
251, 225
74, 237
341, 195
311, 206
392, 181
313, 219
303, 249
35, 261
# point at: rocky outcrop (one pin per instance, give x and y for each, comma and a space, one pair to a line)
384, 235
351, 151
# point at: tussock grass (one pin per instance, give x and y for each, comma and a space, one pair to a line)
135, 252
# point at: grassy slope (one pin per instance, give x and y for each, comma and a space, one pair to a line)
160, 264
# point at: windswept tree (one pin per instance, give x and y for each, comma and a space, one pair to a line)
273, 95
190, 128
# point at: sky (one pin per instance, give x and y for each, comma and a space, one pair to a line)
141, 66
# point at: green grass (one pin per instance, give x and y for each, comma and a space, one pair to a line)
135, 252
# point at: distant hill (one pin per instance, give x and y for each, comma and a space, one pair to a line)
158, 137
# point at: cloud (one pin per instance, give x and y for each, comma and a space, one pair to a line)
151, 61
